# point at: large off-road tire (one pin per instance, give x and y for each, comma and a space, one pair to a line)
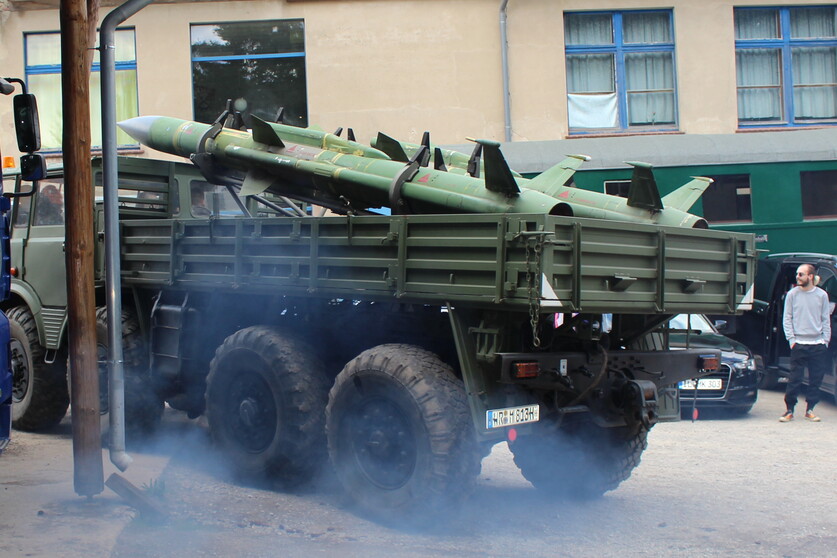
400, 435
265, 402
578, 461
143, 408
39, 391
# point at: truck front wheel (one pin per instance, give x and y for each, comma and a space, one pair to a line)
39, 390
400, 434
580, 460
265, 402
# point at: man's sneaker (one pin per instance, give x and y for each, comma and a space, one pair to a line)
811, 416
787, 417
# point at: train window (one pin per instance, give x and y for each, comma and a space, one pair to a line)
819, 194
727, 199
617, 187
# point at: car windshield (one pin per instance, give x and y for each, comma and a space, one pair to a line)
699, 322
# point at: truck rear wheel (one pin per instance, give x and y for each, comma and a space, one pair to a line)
265, 401
400, 434
39, 390
578, 461
143, 408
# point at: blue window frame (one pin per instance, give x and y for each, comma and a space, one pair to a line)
260, 65
620, 71
42, 59
786, 65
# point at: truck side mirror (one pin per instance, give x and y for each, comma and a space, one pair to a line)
32, 167
27, 126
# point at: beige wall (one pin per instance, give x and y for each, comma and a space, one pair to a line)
408, 66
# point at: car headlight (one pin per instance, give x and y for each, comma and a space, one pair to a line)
748, 364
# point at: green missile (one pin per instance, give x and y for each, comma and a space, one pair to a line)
346, 176
313, 165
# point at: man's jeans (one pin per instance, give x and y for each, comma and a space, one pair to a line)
817, 360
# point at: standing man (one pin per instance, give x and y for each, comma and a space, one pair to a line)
807, 327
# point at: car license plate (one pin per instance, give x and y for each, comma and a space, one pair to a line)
703, 383
496, 418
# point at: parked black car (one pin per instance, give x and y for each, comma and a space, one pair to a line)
735, 386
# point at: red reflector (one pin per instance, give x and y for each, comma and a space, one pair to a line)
13, 271
512, 434
695, 413
708, 363
526, 369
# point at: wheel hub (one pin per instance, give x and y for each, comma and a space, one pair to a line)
384, 448
20, 371
248, 410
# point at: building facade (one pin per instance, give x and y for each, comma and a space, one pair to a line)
576, 68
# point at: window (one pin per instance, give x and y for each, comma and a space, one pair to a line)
619, 188
819, 194
620, 70
786, 65
43, 76
260, 65
727, 199
49, 202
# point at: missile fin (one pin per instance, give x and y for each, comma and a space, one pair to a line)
474, 161
264, 133
643, 192
685, 197
498, 175
255, 183
391, 147
439, 160
350, 135
553, 180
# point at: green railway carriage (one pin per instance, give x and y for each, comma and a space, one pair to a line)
780, 186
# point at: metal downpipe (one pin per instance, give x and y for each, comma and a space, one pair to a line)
504, 57
116, 373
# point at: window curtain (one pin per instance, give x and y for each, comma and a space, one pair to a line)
591, 101
646, 28
758, 75
588, 29
815, 82
650, 85
757, 24
812, 23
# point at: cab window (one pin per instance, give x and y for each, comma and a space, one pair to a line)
49, 202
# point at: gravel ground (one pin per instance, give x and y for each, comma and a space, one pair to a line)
718, 487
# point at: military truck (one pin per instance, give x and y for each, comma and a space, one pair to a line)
402, 346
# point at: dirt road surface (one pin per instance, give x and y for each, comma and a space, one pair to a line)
720, 487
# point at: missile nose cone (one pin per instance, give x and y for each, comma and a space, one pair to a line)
138, 128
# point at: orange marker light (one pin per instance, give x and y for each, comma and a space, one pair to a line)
526, 369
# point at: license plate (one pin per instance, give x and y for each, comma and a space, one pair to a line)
496, 418
703, 383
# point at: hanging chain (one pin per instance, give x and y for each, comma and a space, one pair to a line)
533, 280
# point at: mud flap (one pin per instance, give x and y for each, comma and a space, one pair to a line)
668, 404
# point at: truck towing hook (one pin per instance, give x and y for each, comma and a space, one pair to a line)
639, 400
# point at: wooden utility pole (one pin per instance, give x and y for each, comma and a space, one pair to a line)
78, 27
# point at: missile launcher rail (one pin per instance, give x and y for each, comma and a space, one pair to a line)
508, 261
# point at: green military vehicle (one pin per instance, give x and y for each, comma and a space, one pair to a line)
402, 346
